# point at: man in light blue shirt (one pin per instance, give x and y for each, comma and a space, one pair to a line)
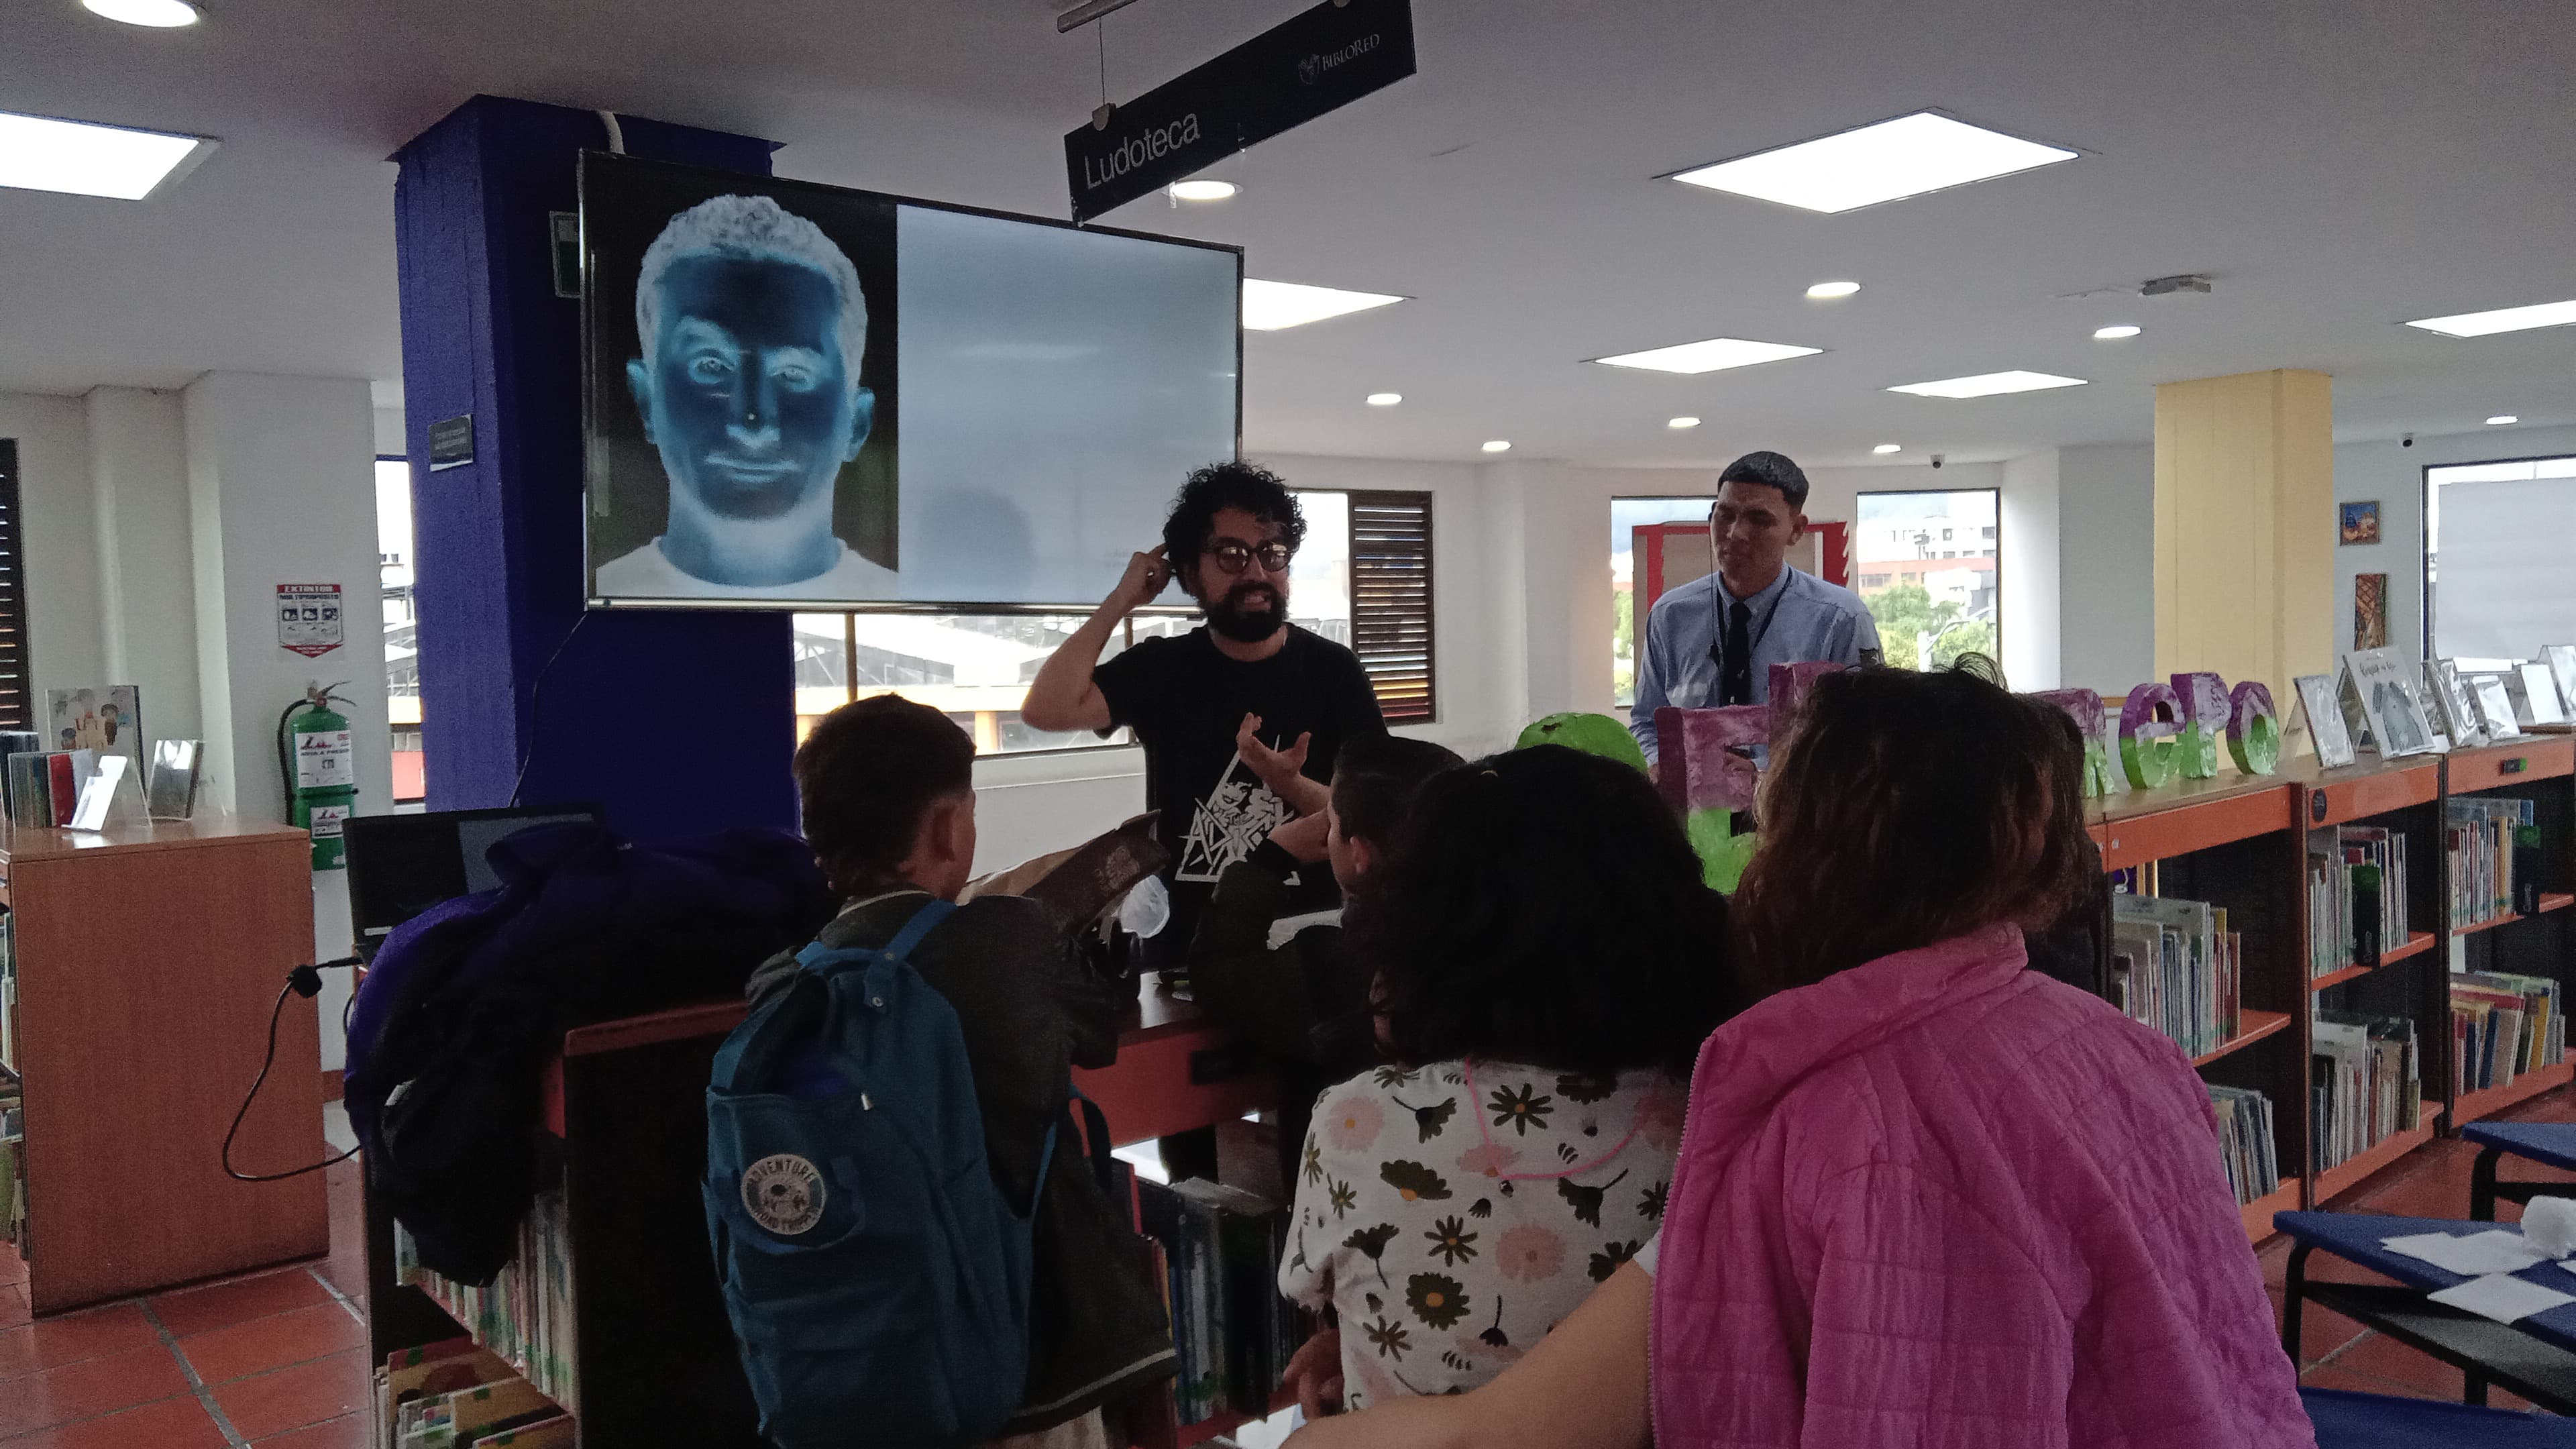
1712, 641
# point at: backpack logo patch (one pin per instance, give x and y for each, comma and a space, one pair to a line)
783, 1193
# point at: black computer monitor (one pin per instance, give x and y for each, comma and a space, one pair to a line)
401, 865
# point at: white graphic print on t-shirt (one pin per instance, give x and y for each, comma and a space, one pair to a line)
1230, 823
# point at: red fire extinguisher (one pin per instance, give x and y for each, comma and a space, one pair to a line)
317, 761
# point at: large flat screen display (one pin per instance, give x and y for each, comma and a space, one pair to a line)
804, 397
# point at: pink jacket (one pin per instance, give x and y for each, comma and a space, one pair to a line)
1939, 1200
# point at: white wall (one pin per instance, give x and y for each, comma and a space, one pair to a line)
2393, 475
63, 633
2106, 600
138, 474
2029, 545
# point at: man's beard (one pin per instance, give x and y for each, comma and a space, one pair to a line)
1227, 615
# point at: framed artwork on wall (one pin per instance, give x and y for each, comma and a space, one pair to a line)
2360, 522
2370, 611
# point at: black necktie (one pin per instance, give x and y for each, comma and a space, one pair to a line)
1735, 675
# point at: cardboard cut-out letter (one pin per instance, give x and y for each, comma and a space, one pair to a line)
2205, 714
2084, 706
1789, 686
2147, 727
1706, 773
2253, 729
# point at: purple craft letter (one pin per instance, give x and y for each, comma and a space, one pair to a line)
1698, 768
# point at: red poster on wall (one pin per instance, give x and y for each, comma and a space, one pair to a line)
308, 618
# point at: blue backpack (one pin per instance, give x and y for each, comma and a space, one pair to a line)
877, 1280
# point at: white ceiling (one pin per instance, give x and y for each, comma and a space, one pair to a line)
2338, 165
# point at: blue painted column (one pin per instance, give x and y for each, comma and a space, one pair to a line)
676, 721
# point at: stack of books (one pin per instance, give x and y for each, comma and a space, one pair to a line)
2503, 1026
458, 1395
2364, 1085
2495, 850
2176, 967
2357, 886
525, 1316
1234, 1332
42, 789
2245, 1142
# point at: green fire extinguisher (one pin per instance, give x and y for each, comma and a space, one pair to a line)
315, 757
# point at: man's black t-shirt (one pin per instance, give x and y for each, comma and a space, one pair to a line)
1185, 700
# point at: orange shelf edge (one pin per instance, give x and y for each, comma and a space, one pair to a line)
2549, 901
2417, 943
2263, 1024
2344, 1175
2258, 1213
2523, 1088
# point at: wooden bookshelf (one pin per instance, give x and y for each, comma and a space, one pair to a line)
2184, 816
2356, 792
2336, 1179
2515, 762
2254, 1027
2549, 901
2417, 943
2258, 1213
2475, 1105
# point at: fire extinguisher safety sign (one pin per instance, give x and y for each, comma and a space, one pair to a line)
308, 619
324, 759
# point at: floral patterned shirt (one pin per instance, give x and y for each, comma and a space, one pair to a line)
1454, 1213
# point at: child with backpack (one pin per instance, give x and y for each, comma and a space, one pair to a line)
854, 1329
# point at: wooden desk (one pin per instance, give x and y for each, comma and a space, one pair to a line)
148, 957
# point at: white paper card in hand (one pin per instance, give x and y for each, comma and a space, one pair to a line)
2502, 1297
2493, 1251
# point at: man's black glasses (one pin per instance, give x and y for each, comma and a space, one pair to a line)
1233, 557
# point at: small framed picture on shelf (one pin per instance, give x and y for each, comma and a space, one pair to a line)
2376, 688
2495, 706
2325, 720
2535, 696
2360, 522
172, 791
2561, 659
2450, 704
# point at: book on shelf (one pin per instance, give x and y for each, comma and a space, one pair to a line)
2357, 888
2494, 867
1233, 1331
2365, 1085
2245, 1142
456, 1395
2503, 1026
2176, 967
525, 1314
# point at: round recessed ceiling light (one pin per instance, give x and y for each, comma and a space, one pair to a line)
1181, 190
2500, 419
1683, 423
158, 14
1498, 445
1384, 399
1889, 448
1828, 291
2116, 332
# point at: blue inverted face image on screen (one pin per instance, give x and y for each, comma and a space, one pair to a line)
811, 398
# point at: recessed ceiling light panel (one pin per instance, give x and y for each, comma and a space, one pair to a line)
1203, 190
2500, 419
39, 153
157, 14
1498, 445
1987, 384
2116, 332
1828, 291
1713, 355
2505, 319
1889, 448
1907, 156
1682, 423
1384, 399
1270, 306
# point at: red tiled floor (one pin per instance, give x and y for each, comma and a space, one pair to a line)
347, 1268
272, 1403
83, 1390
180, 1423
276, 1341
73, 1338
192, 1311
13, 1305
13, 1269
350, 1431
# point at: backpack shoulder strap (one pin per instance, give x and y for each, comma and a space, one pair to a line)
825, 960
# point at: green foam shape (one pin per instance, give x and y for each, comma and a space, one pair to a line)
2147, 762
1593, 734
1722, 853
2097, 771
2198, 753
2259, 753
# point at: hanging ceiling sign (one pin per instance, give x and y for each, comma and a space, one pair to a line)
1317, 62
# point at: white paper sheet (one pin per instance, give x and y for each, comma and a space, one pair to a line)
2492, 1251
2502, 1297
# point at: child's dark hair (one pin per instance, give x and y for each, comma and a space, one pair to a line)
1375, 778
1905, 809
866, 779
1543, 907
1254, 489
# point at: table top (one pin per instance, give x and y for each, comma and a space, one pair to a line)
2550, 1143
2355, 1236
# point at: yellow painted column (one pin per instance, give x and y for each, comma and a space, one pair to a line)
2245, 519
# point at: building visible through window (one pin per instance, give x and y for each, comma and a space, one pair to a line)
394, 560
1932, 604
